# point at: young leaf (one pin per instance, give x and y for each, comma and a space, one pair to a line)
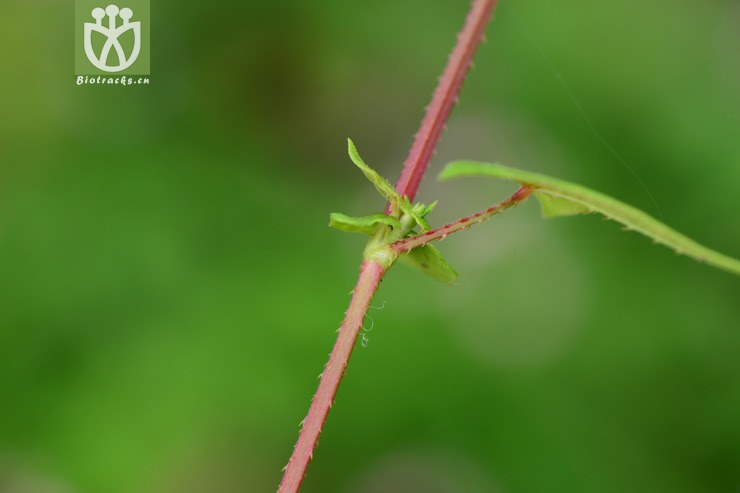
381, 184
388, 192
561, 198
428, 260
425, 210
417, 213
364, 224
552, 206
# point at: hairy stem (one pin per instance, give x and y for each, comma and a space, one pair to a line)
444, 98
371, 272
441, 233
370, 276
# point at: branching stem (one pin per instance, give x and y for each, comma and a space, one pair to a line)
441, 233
371, 272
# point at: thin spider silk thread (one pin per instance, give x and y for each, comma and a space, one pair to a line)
364, 340
581, 111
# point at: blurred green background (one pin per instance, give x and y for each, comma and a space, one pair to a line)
169, 290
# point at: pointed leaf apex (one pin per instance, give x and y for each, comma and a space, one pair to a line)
382, 185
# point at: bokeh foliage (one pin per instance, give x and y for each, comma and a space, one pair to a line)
164, 315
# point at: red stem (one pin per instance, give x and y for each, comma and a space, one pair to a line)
371, 273
445, 97
441, 233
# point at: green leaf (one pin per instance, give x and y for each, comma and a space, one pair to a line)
364, 224
425, 210
381, 184
428, 260
420, 211
560, 198
385, 189
552, 206
417, 213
